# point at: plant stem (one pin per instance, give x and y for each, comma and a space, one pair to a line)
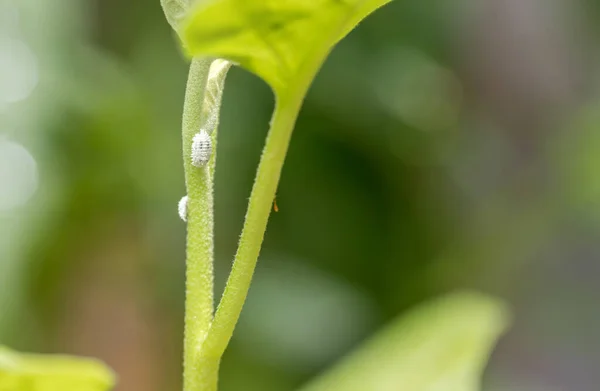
255, 224
200, 372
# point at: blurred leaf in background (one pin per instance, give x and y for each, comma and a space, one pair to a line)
441, 346
35, 372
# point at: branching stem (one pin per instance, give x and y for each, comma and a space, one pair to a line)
255, 224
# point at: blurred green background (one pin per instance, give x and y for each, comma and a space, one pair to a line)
443, 145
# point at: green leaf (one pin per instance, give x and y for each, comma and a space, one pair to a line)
176, 11
36, 372
440, 346
282, 41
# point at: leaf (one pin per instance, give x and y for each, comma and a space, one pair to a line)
282, 41
176, 11
439, 346
36, 372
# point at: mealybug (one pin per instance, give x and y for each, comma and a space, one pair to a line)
182, 208
201, 148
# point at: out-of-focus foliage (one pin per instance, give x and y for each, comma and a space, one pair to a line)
33, 69
577, 160
34, 372
440, 346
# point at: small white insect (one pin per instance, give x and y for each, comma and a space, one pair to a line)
182, 208
201, 148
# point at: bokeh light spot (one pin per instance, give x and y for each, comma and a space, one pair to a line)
18, 175
18, 70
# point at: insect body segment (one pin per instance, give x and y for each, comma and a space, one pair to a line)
201, 148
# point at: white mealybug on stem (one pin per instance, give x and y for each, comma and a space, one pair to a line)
182, 208
201, 148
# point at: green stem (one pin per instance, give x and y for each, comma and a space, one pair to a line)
255, 224
200, 372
